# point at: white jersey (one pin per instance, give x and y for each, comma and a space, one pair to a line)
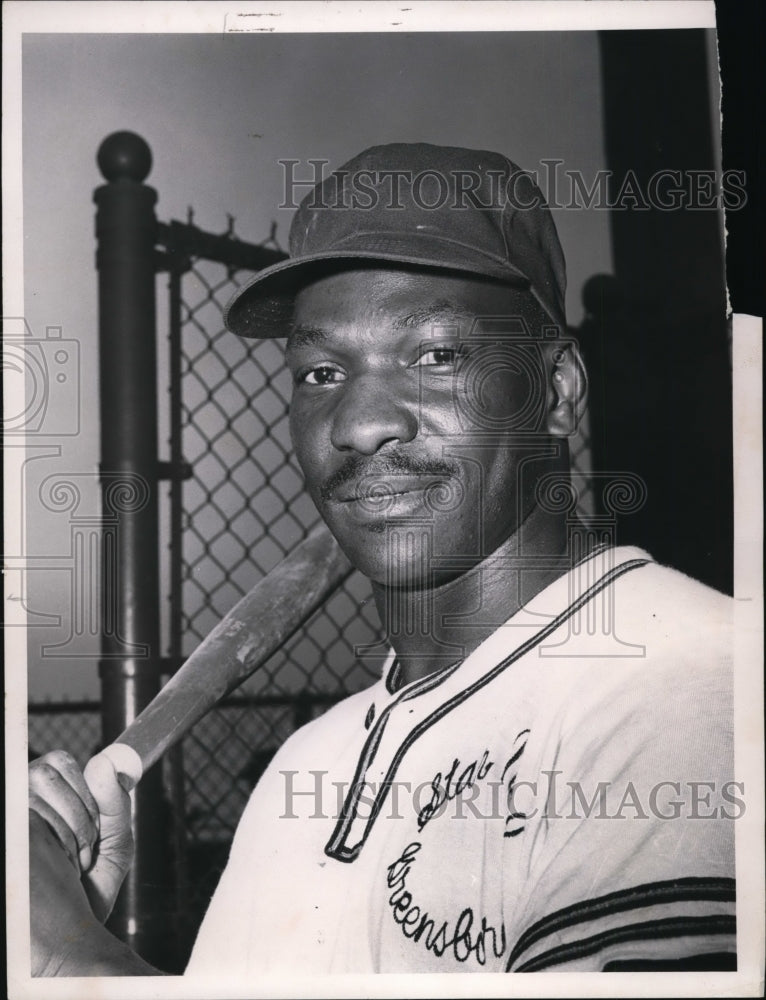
562, 800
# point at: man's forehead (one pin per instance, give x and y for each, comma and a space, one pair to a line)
309, 330
437, 305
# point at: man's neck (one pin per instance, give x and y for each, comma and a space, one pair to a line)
430, 628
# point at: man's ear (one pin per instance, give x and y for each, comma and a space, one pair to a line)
567, 390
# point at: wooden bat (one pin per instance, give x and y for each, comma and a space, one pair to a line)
254, 629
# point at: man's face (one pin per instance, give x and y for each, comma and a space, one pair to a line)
417, 398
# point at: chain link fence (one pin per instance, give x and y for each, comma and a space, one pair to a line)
73, 725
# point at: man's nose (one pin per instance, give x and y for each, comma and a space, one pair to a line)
371, 412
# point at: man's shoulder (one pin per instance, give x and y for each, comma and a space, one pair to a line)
663, 588
666, 668
627, 639
621, 604
673, 615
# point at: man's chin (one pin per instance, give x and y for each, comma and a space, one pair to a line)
367, 549
394, 554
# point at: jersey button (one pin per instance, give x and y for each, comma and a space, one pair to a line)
369, 717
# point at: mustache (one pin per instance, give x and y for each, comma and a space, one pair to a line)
355, 468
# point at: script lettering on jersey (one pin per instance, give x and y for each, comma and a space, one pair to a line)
468, 937
460, 778
446, 788
514, 820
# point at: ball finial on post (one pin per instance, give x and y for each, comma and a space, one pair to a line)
124, 156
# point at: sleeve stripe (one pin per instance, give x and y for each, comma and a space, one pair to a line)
648, 894
715, 961
650, 930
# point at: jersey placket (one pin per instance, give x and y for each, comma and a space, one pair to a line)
394, 730
392, 723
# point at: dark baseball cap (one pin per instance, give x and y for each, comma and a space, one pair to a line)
440, 207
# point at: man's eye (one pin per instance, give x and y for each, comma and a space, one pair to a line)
438, 356
320, 375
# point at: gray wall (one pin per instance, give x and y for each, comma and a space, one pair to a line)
219, 112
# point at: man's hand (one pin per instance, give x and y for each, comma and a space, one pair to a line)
66, 937
80, 848
91, 819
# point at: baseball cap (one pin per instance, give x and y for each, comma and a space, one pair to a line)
440, 207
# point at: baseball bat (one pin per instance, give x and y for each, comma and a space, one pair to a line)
244, 639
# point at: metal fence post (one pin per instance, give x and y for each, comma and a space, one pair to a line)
126, 231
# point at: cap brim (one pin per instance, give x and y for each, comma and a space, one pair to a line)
263, 307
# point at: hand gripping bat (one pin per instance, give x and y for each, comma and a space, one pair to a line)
254, 629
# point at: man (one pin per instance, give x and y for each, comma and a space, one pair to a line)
524, 787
